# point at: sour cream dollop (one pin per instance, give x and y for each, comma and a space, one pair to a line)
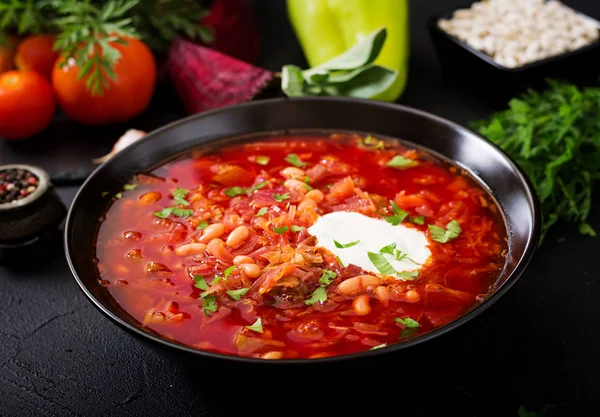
372, 235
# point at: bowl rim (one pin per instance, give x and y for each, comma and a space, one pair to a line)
432, 23
530, 246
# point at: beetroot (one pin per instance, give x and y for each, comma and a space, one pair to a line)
235, 30
206, 79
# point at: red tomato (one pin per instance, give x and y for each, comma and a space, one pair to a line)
36, 53
26, 104
124, 98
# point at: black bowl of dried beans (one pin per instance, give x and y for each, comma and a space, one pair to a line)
29, 206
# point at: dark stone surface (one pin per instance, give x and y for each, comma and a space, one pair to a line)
539, 345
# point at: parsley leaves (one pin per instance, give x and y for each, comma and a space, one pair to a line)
228, 271
345, 245
280, 230
408, 322
179, 196
261, 212
399, 215
281, 197
295, 160
233, 191
129, 187
381, 263
256, 326
175, 211
417, 220
327, 277
237, 294
401, 162
209, 303
200, 282
444, 235
296, 229
318, 295
202, 225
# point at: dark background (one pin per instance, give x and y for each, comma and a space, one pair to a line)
538, 345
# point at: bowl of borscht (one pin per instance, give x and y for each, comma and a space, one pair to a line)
295, 230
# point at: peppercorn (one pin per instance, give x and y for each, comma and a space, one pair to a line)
16, 184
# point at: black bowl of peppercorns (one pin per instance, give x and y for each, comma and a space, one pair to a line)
29, 206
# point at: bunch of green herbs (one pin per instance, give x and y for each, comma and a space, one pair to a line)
554, 136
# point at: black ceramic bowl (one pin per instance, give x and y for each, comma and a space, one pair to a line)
476, 71
486, 163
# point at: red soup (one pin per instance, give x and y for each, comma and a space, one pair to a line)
300, 247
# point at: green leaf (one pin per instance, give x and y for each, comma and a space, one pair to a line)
129, 187
362, 53
292, 81
401, 162
408, 322
228, 271
202, 225
233, 191
587, 230
237, 294
200, 282
339, 261
388, 249
443, 236
281, 197
118, 195
408, 275
296, 229
327, 277
175, 211
280, 230
378, 346
262, 160
209, 304
261, 212
345, 245
399, 215
179, 196
417, 220
295, 160
365, 83
256, 326
381, 263
319, 295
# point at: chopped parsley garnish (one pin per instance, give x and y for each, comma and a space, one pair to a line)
129, 187
308, 187
202, 225
209, 304
444, 235
371, 143
233, 191
295, 160
408, 322
345, 245
118, 195
179, 196
296, 229
256, 326
417, 220
400, 162
408, 275
408, 332
307, 180
104, 194
262, 160
378, 346
327, 277
381, 263
200, 282
318, 295
281, 197
388, 249
399, 214
228, 271
261, 212
216, 279
237, 294
280, 230
340, 261
175, 211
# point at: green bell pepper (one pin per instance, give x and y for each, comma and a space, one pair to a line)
326, 28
